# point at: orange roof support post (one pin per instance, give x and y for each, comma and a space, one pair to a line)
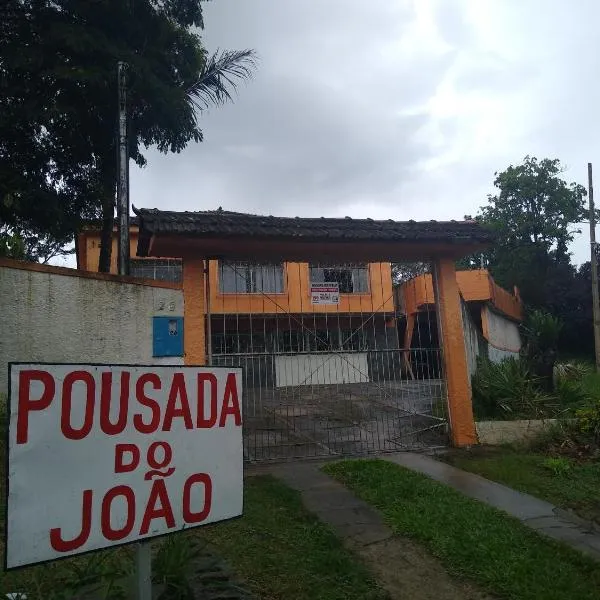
194, 340
454, 355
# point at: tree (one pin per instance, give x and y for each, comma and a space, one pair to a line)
32, 246
533, 215
402, 272
58, 109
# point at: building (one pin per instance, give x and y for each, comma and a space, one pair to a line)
306, 307
491, 317
287, 323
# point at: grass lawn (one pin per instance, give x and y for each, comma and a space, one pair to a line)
577, 487
278, 549
471, 539
282, 551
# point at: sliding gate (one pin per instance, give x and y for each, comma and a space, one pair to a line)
326, 372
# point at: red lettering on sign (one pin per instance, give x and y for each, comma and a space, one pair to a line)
27, 404
231, 404
161, 511
68, 430
107, 530
105, 401
196, 517
141, 397
172, 411
56, 540
125, 467
204, 421
151, 455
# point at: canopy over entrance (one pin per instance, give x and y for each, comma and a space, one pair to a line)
240, 236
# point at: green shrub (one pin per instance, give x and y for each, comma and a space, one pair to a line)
571, 394
557, 465
508, 390
571, 371
588, 420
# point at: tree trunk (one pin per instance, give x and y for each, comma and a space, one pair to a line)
108, 221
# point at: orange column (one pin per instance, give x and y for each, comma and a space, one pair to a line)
194, 312
450, 323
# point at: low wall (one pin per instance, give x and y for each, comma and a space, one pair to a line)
321, 369
495, 433
53, 314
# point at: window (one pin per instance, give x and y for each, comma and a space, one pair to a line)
245, 278
161, 269
352, 279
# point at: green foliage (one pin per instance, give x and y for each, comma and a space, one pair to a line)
29, 245
471, 539
542, 332
588, 420
526, 470
571, 394
572, 370
283, 551
58, 101
557, 465
533, 215
508, 390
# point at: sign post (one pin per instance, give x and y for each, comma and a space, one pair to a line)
104, 455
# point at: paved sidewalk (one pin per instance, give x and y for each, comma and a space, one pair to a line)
540, 515
403, 567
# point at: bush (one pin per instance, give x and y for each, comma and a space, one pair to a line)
588, 421
557, 465
508, 390
571, 395
571, 371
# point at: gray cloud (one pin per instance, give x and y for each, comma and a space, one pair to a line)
390, 109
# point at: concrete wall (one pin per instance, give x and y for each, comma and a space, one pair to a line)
502, 335
321, 369
495, 433
52, 314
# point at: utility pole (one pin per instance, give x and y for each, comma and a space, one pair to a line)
123, 171
594, 264
143, 552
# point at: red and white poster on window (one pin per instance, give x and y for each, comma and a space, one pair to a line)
102, 455
325, 293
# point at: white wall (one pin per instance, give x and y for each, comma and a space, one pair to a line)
321, 369
503, 337
65, 318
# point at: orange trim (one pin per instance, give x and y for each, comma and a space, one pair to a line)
9, 263
460, 408
194, 322
296, 295
408, 334
475, 286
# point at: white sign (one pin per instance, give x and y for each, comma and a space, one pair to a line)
101, 455
325, 293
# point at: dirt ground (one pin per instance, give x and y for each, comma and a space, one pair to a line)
406, 570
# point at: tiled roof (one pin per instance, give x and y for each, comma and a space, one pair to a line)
221, 223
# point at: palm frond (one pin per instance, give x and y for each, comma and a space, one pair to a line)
219, 77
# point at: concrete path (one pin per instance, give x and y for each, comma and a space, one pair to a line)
402, 567
543, 517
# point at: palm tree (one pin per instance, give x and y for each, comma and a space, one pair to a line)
219, 77
217, 80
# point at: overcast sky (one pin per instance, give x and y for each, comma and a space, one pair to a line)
388, 108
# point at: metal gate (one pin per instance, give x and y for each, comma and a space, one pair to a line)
333, 361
